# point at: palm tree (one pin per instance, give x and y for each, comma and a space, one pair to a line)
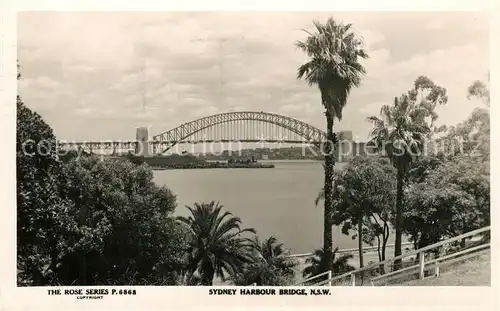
339, 265
272, 265
334, 52
188, 278
401, 131
218, 246
276, 255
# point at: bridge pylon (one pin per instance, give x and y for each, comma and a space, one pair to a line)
143, 147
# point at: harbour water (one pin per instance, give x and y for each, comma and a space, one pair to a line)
278, 201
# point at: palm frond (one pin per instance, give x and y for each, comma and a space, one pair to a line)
334, 66
319, 197
217, 244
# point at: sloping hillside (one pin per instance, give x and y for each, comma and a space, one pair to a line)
474, 272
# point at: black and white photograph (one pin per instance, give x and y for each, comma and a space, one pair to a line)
276, 153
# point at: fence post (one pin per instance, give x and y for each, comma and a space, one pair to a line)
422, 264
437, 269
353, 279
330, 278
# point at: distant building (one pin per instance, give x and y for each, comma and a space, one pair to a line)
348, 148
345, 135
265, 157
345, 146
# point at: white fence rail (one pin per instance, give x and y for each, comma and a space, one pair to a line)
434, 264
328, 273
422, 265
350, 250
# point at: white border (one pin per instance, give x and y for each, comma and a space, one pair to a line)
171, 298
257, 5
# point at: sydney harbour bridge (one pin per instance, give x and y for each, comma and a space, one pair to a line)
243, 126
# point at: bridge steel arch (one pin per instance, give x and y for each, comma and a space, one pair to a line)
178, 134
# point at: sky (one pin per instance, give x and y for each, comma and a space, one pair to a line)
99, 75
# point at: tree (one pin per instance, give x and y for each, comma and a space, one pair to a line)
120, 230
402, 132
271, 265
480, 90
453, 199
72, 154
427, 95
422, 167
364, 200
218, 246
339, 265
334, 52
84, 221
135, 158
40, 209
469, 137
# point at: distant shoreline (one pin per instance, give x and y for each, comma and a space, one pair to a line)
292, 160
210, 166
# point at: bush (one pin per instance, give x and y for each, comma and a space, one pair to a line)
40, 207
121, 230
86, 221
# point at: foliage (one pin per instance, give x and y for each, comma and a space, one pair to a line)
218, 246
469, 137
81, 221
422, 167
91, 222
339, 265
40, 209
135, 158
334, 52
72, 154
453, 199
480, 90
428, 95
120, 229
271, 265
364, 201
189, 279
452, 196
319, 197
449, 194
402, 132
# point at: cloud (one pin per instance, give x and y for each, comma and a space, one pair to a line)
292, 108
80, 68
129, 69
372, 109
454, 68
42, 82
435, 24
204, 112
371, 38
83, 111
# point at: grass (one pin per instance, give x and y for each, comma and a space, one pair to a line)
470, 272
473, 272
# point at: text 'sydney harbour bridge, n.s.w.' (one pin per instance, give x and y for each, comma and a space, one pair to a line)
244, 127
